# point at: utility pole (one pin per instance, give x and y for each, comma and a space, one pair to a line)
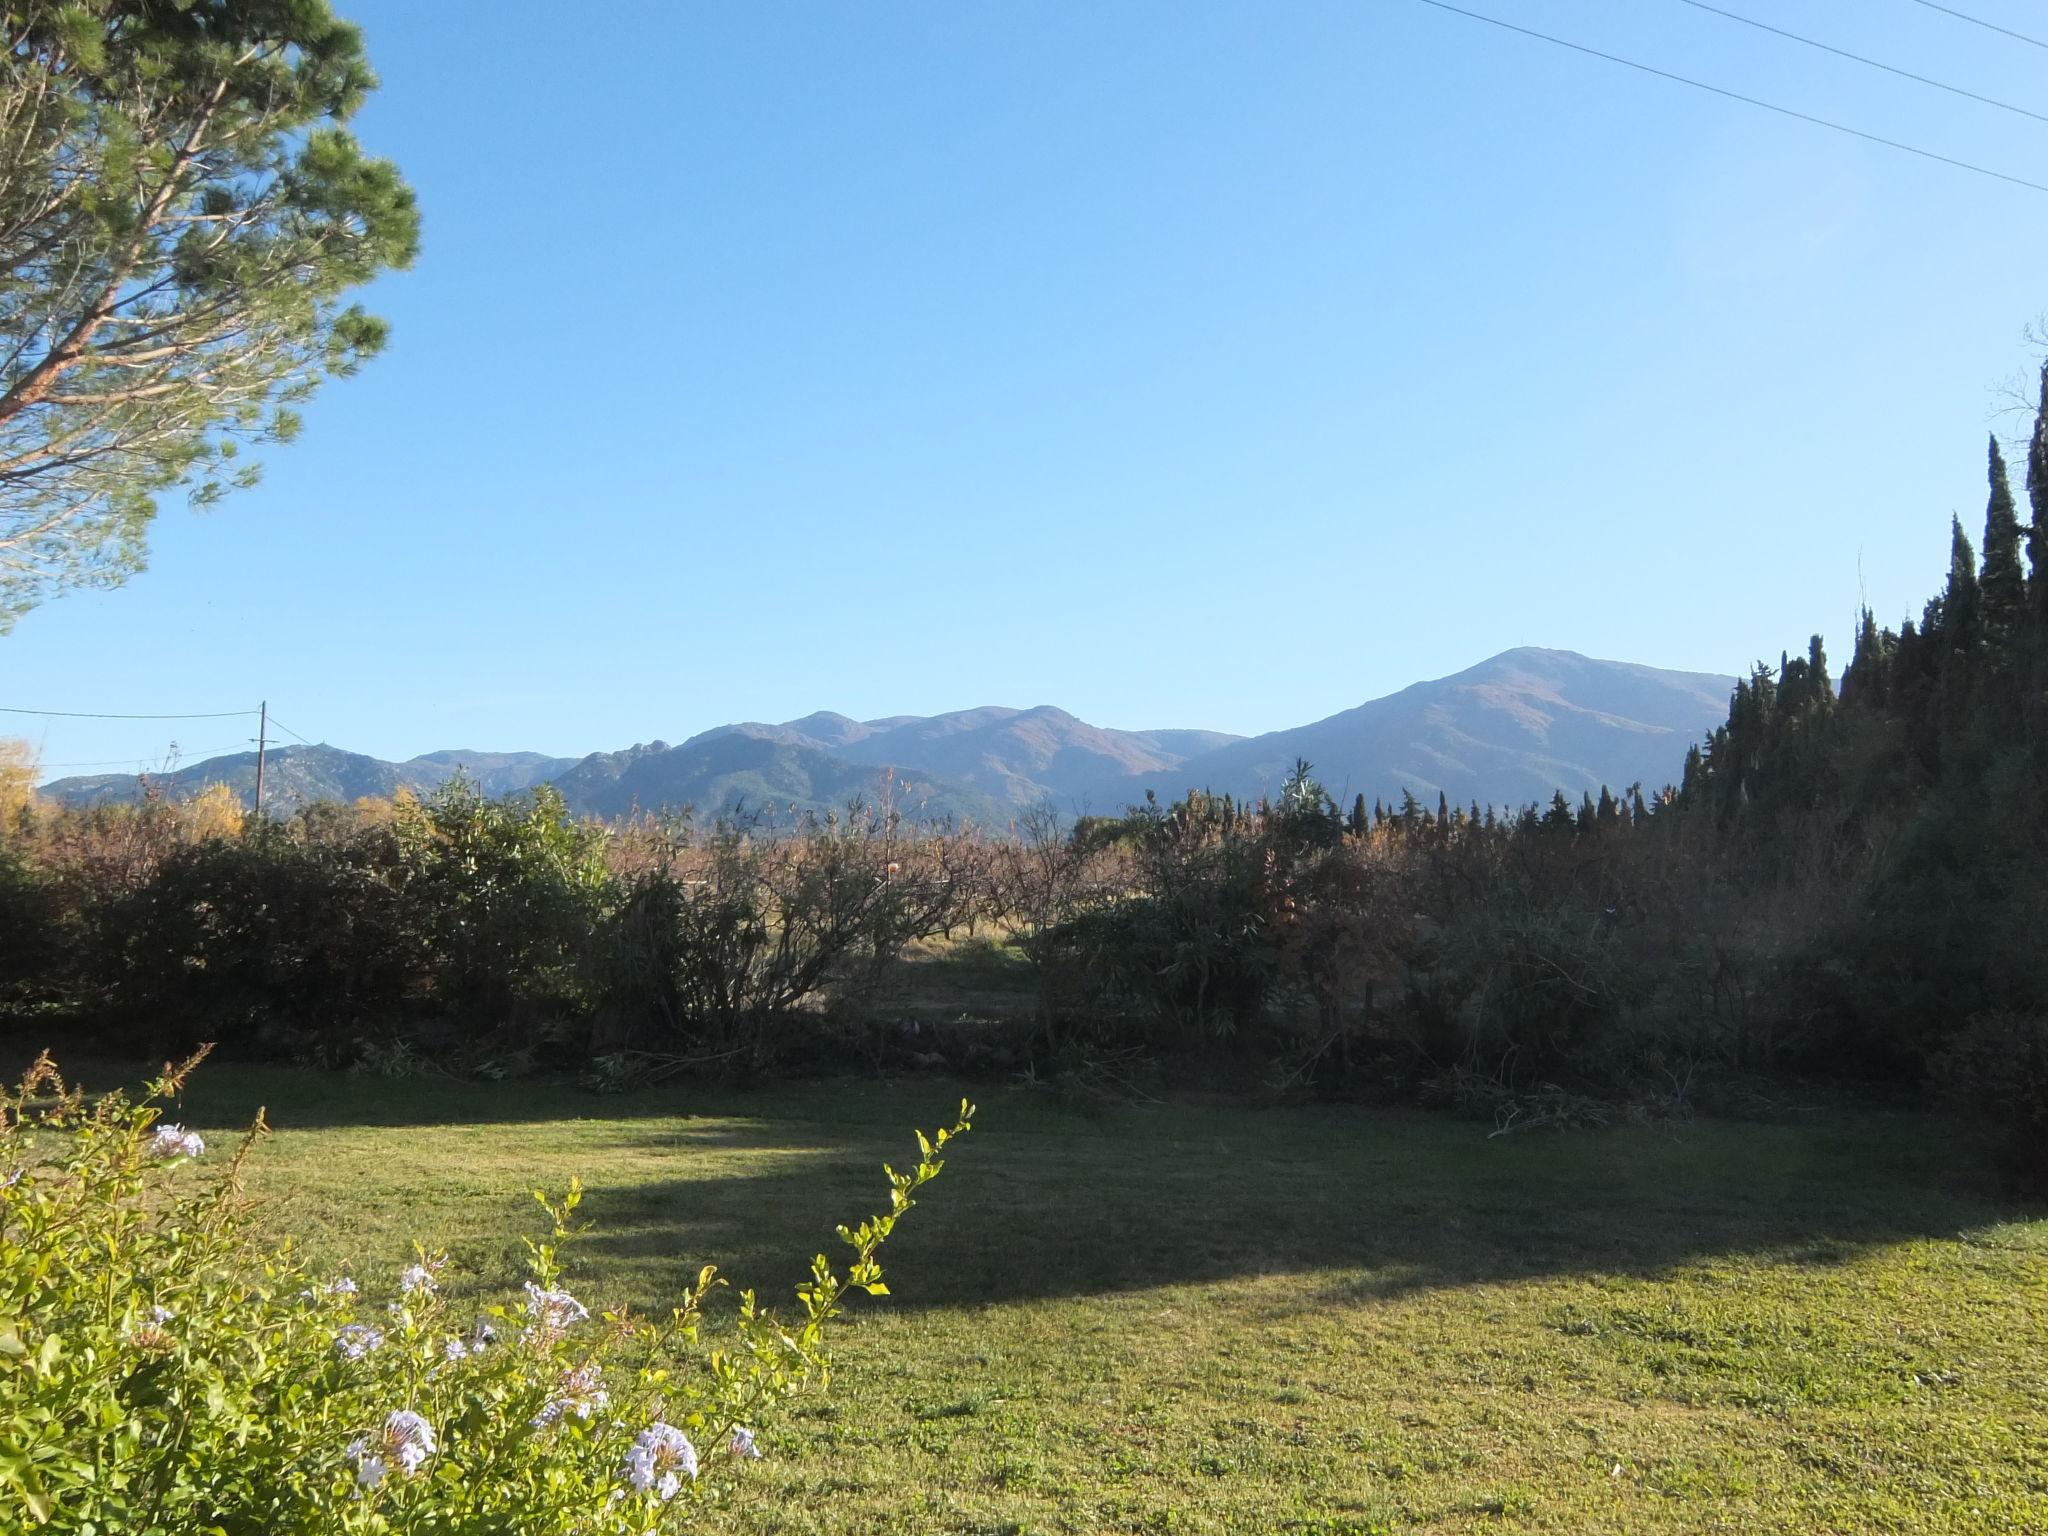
262, 738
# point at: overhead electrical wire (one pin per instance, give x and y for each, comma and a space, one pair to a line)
1754, 101
87, 714
1978, 21
1890, 69
199, 753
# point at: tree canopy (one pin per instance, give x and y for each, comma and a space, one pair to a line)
182, 214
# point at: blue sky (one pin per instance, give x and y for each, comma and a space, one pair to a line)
1180, 364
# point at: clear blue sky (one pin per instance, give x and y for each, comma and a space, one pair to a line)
1180, 364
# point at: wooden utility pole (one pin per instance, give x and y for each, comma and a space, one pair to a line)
262, 738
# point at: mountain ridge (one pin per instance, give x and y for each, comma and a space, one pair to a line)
1509, 730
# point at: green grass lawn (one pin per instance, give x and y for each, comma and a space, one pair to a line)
1214, 1318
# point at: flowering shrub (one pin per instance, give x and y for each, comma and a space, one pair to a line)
162, 1371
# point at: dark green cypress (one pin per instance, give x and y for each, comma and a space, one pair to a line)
2003, 585
1961, 601
2037, 534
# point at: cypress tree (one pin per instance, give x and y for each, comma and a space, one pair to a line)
2002, 586
1961, 601
2037, 533
1823, 686
1864, 684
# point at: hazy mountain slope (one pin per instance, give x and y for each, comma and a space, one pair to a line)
1510, 730
1181, 745
1016, 756
1023, 755
293, 776
495, 773
299, 775
723, 772
1515, 728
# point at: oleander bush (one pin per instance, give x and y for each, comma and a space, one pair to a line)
164, 1371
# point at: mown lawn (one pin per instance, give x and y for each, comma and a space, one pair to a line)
1212, 1318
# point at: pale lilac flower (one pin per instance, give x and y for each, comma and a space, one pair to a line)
370, 1469
12, 1179
454, 1350
416, 1278
552, 1311
161, 1314
579, 1396
741, 1447
329, 1290
482, 1336
406, 1438
169, 1142
355, 1340
410, 1437
660, 1458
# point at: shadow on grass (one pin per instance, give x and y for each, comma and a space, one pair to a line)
1037, 1206
1041, 1203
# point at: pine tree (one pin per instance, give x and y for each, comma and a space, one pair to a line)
183, 215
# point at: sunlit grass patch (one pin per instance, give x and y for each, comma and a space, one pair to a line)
1213, 1318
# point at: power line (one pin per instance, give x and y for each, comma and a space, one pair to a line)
1978, 21
196, 753
85, 714
1768, 106
1890, 69
289, 731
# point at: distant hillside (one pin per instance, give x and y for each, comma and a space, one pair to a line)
1516, 728
733, 771
1016, 756
1508, 731
298, 775
495, 773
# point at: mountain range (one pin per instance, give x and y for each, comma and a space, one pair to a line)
1513, 729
